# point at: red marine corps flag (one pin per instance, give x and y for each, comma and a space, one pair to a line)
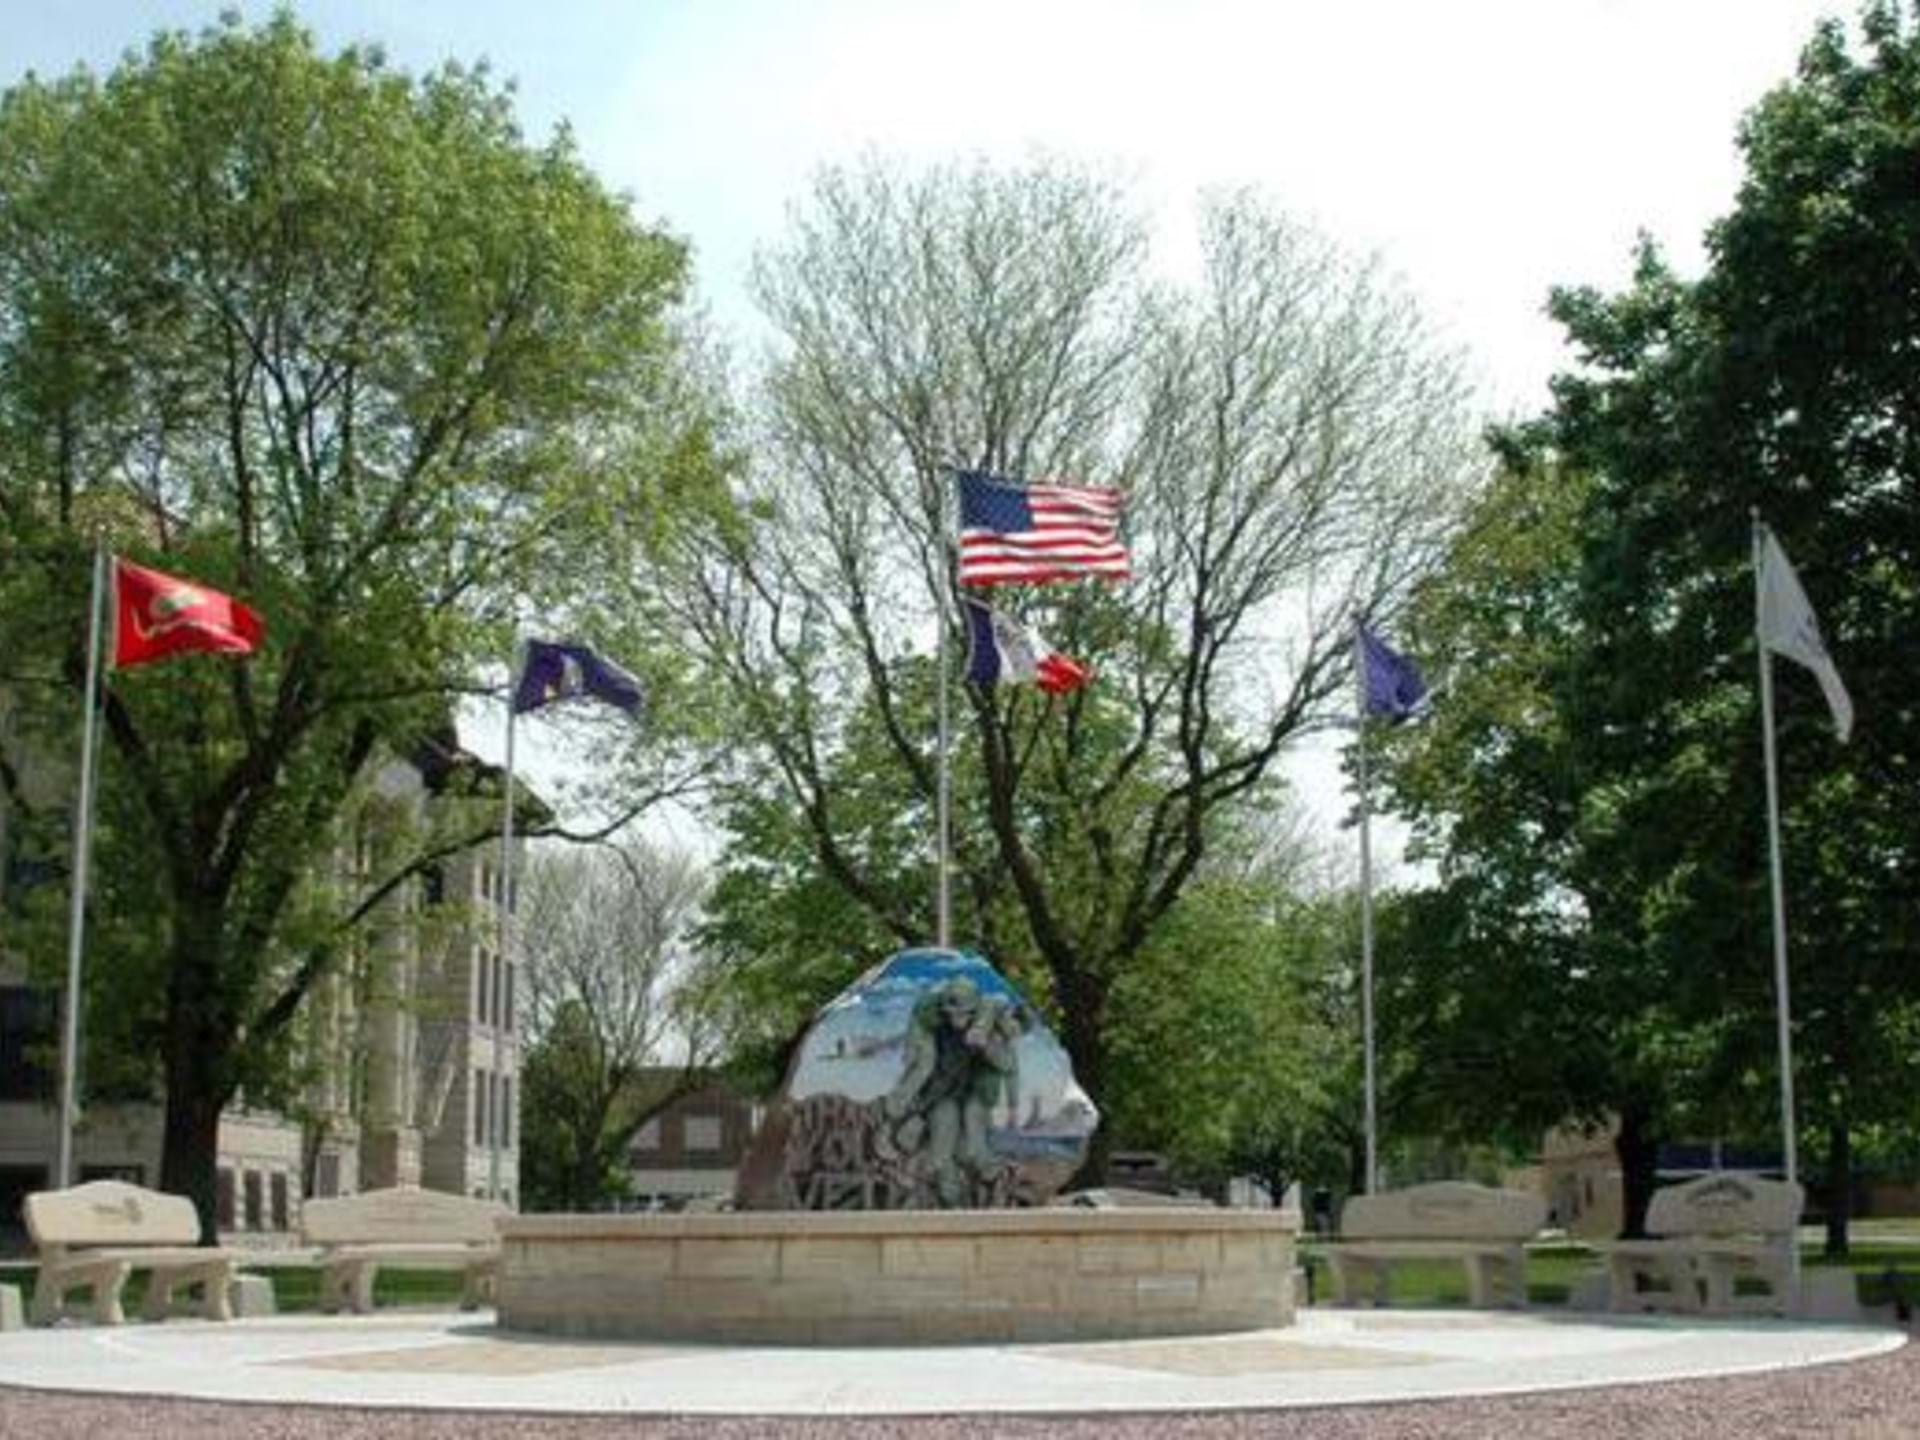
158, 615
153, 616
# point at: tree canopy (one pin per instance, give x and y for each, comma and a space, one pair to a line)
1608, 700
339, 341
1291, 442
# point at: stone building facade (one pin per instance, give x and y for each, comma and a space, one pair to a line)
414, 1042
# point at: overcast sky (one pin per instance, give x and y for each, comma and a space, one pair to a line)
1485, 149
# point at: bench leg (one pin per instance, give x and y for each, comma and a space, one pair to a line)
1482, 1280
1340, 1279
347, 1285
107, 1285
478, 1288
1687, 1283
1510, 1268
1717, 1281
47, 1297
216, 1283
360, 1288
160, 1286
1623, 1291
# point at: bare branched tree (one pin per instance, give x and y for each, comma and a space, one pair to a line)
616, 1032
1292, 443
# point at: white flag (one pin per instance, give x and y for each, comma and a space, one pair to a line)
1788, 627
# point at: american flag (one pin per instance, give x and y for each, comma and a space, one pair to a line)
1011, 532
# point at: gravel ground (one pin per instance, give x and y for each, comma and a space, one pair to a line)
1866, 1398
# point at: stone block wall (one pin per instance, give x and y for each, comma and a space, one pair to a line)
910, 1277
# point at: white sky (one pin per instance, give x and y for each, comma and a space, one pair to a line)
1486, 149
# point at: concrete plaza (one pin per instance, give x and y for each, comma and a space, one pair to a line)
441, 1361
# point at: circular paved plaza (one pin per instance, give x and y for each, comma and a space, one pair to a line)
1336, 1373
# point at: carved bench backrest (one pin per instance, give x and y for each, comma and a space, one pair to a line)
1725, 1204
110, 1212
402, 1215
1444, 1210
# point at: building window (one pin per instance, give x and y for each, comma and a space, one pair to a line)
326, 1180
256, 1201
223, 1199
507, 989
16, 1183
132, 1174
506, 1112
27, 1040
481, 967
702, 1133
499, 999
647, 1137
281, 1215
479, 1107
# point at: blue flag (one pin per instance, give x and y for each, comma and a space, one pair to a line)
558, 672
1393, 687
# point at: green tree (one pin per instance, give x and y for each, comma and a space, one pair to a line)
342, 342
1778, 383
1527, 990
1291, 442
1236, 1047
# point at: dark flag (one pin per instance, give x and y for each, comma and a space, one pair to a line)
1393, 688
559, 672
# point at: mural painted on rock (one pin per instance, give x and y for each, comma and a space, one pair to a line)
930, 1082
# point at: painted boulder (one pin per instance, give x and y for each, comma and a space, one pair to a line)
929, 1083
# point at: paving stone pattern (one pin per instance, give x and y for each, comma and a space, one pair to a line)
1875, 1399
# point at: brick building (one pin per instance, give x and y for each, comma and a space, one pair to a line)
693, 1148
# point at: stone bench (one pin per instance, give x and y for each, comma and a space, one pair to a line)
95, 1235
421, 1229
1704, 1238
1484, 1229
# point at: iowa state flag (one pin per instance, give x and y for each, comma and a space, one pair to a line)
159, 615
1003, 651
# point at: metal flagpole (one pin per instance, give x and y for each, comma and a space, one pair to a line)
943, 784
1783, 1004
82, 846
504, 938
1366, 909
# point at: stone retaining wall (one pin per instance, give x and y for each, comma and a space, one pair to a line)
901, 1277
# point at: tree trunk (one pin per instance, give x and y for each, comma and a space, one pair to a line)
189, 1150
1839, 1187
1637, 1148
1082, 1006
198, 1047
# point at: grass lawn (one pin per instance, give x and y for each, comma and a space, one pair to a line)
1552, 1272
296, 1288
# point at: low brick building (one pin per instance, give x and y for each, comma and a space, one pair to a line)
693, 1148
